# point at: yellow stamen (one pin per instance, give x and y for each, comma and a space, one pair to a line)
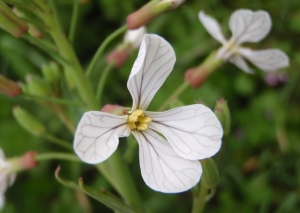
142, 127
132, 118
138, 112
136, 120
145, 120
131, 125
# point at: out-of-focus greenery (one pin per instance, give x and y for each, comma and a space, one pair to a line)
259, 163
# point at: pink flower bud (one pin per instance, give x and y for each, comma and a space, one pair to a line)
150, 11
114, 109
195, 76
119, 56
27, 161
9, 87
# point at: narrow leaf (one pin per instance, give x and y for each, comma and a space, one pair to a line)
102, 196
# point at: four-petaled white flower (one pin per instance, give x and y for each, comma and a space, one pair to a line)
246, 26
6, 177
169, 163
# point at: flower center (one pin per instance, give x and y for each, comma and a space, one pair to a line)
137, 120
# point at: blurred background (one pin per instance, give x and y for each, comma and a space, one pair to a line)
259, 163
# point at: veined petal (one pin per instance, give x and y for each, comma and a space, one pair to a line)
163, 169
249, 26
212, 27
240, 63
154, 63
267, 60
193, 131
97, 135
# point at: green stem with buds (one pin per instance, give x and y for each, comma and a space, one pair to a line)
67, 52
57, 156
102, 47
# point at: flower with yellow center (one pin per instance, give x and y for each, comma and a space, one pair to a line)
246, 26
169, 162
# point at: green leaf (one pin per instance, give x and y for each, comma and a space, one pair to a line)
102, 196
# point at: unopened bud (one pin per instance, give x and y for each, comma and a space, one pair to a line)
119, 55
223, 114
135, 37
24, 162
210, 175
132, 40
196, 76
28, 122
9, 87
51, 72
150, 11
36, 86
32, 29
114, 109
10, 22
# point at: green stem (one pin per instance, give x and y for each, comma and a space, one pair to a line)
123, 177
52, 100
74, 20
175, 95
57, 141
66, 51
199, 200
102, 48
197, 77
102, 81
57, 156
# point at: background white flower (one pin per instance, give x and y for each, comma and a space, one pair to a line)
6, 177
246, 26
169, 163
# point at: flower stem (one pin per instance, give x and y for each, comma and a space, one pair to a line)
199, 199
123, 177
102, 81
175, 94
57, 156
102, 48
66, 51
57, 141
74, 20
52, 100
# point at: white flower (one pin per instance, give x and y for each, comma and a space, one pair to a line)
135, 37
6, 177
246, 26
169, 163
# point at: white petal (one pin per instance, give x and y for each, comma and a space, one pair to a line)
249, 26
267, 60
240, 63
163, 169
97, 135
2, 200
154, 63
135, 37
193, 131
212, 27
